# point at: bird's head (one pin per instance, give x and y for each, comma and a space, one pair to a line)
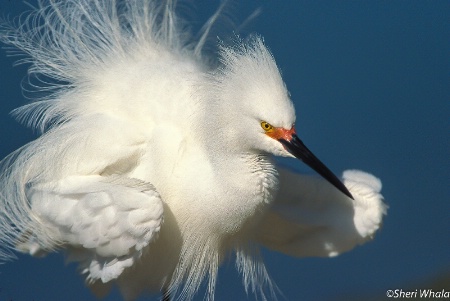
255, 107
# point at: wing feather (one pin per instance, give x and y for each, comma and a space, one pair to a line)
312, 218
112, 218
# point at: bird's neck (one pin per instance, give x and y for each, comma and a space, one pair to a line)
250, 181
261, 170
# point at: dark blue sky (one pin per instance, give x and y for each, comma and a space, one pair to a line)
371, 85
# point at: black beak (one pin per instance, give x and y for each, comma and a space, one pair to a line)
300, 151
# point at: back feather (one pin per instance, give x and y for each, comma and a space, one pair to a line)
74, 43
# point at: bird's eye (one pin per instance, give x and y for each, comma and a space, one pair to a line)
266, 126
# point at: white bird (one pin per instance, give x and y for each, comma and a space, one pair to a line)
155, 160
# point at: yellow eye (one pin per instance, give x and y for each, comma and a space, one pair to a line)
266, 126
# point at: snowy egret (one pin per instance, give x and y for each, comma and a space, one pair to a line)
154, 161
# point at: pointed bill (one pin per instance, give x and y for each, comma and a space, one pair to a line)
295, 146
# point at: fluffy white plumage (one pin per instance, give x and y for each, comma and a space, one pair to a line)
153, 165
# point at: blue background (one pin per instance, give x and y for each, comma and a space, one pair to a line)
371, 85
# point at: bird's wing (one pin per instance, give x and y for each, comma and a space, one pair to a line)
312, 218
105, 222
